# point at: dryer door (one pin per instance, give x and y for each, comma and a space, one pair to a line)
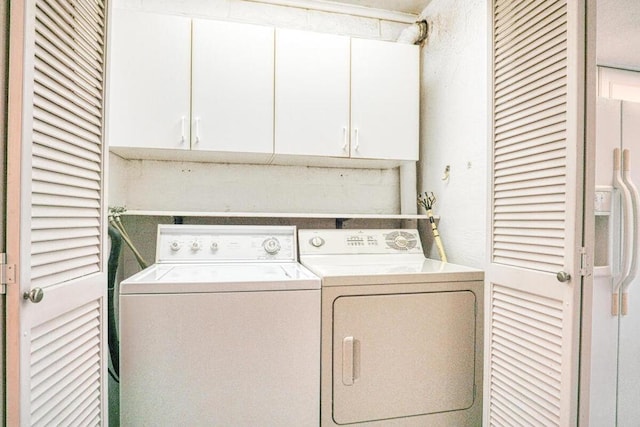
402, 355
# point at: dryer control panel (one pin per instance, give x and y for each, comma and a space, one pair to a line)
225, 243
364, 241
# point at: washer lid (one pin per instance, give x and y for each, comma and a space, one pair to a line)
214, 277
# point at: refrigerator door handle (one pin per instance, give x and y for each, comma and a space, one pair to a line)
619, 184
633, 191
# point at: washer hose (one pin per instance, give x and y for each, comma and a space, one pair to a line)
114, 256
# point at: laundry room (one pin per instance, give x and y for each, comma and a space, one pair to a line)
187, 179
150, 186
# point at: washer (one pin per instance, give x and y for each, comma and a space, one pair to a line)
223, 330
401, 334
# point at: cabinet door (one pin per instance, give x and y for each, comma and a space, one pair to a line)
232, 87
385, 97
149, 80
312, 94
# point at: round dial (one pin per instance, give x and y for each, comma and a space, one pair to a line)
175, 245
271, 245
196, 245
316, 241
401, 240
214, 246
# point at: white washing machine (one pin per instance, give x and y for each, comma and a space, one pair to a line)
401, 334
223, 330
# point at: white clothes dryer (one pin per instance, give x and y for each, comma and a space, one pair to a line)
223, 330
401, 334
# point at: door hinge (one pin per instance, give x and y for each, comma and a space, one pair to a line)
7, 273
585, 267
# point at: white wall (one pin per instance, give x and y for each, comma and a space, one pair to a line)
454, 123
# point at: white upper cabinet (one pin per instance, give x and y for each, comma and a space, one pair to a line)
225, 91
149, 80
232, 87
312, 94
385, 100
339, 97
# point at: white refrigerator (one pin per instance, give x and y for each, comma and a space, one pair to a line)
612, 352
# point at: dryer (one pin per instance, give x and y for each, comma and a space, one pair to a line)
224, 330
401, 334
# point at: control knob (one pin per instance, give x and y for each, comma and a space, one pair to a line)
401, 242
175, 246
214, 246
317, 241
271, 245
196, 245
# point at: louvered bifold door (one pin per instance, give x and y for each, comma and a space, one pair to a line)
56, 220
536, 219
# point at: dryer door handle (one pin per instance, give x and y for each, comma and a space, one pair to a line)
350, 360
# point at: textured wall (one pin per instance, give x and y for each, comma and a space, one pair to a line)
454, 123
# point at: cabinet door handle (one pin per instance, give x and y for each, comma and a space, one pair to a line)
357, 138
345, 140
183, 137
197, 126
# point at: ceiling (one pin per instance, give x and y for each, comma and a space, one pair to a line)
413, 7
618, 33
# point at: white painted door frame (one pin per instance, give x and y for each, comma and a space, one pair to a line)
4, 40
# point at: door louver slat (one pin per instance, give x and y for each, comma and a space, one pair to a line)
62, 70
62, 20
519, 401
84, 27
47, 99
512, 358
83, 413
521, 111
62, 271
522, 50
515, 22
65, 147
552, 143
54, 188
551, 19
533, 199
63, 41
67, 224
535, 89
65, 137
51, 153
55, 386
70, 82
526, 66
49, 117
61, 234
59, 245
49, 165
526, 384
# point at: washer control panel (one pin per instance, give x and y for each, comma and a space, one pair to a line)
211, 243
326, 242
